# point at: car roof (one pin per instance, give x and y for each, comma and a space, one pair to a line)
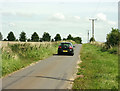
66, 42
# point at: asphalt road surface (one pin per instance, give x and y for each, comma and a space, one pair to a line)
52, 73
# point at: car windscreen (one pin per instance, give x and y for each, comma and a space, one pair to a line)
66, 44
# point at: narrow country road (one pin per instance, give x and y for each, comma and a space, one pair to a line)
52, 73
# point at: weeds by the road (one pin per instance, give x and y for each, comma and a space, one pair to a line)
17, 56
99, 70
111, 50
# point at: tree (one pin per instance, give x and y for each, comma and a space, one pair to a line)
69, 37
78, 40
64, 39
41, 40
23, 37
11, 37
57, 37
1, 37
35, 37
28, 40
52, 40
16, 40
113, 38
46, 37
5, 40
92, 39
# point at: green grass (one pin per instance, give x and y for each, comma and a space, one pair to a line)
100, 69
17, 56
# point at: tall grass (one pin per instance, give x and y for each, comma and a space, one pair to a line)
99, 69
17, 56
104, 47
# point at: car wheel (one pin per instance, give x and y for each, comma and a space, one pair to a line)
72, 54
59, 53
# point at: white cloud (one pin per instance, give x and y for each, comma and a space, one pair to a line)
101, 16
63, 17
59, 16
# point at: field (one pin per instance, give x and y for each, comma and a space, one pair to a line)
17, 55
98, 70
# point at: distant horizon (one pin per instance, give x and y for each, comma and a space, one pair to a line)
38, 35
63, 17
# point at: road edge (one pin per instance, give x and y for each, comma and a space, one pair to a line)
74, 76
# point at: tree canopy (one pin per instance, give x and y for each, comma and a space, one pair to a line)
69, 37
11, 36
35, 37
57, 37
1, 37
52, 40
92, 39
64, 39
23, 37
77, 40
46, 37
113, 38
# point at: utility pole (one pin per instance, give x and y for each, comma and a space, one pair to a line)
88, 36
93, 26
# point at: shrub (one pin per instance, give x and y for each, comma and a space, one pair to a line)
113, 38
113, 50
92, 39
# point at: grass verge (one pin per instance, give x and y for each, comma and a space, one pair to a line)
17, 56
98, 70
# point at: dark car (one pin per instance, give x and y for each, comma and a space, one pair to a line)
66, 48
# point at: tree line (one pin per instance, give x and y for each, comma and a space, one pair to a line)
35, 37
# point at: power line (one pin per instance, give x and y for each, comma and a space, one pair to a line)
100, 4
96, 9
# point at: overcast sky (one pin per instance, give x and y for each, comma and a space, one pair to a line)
59, 0
59, 16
